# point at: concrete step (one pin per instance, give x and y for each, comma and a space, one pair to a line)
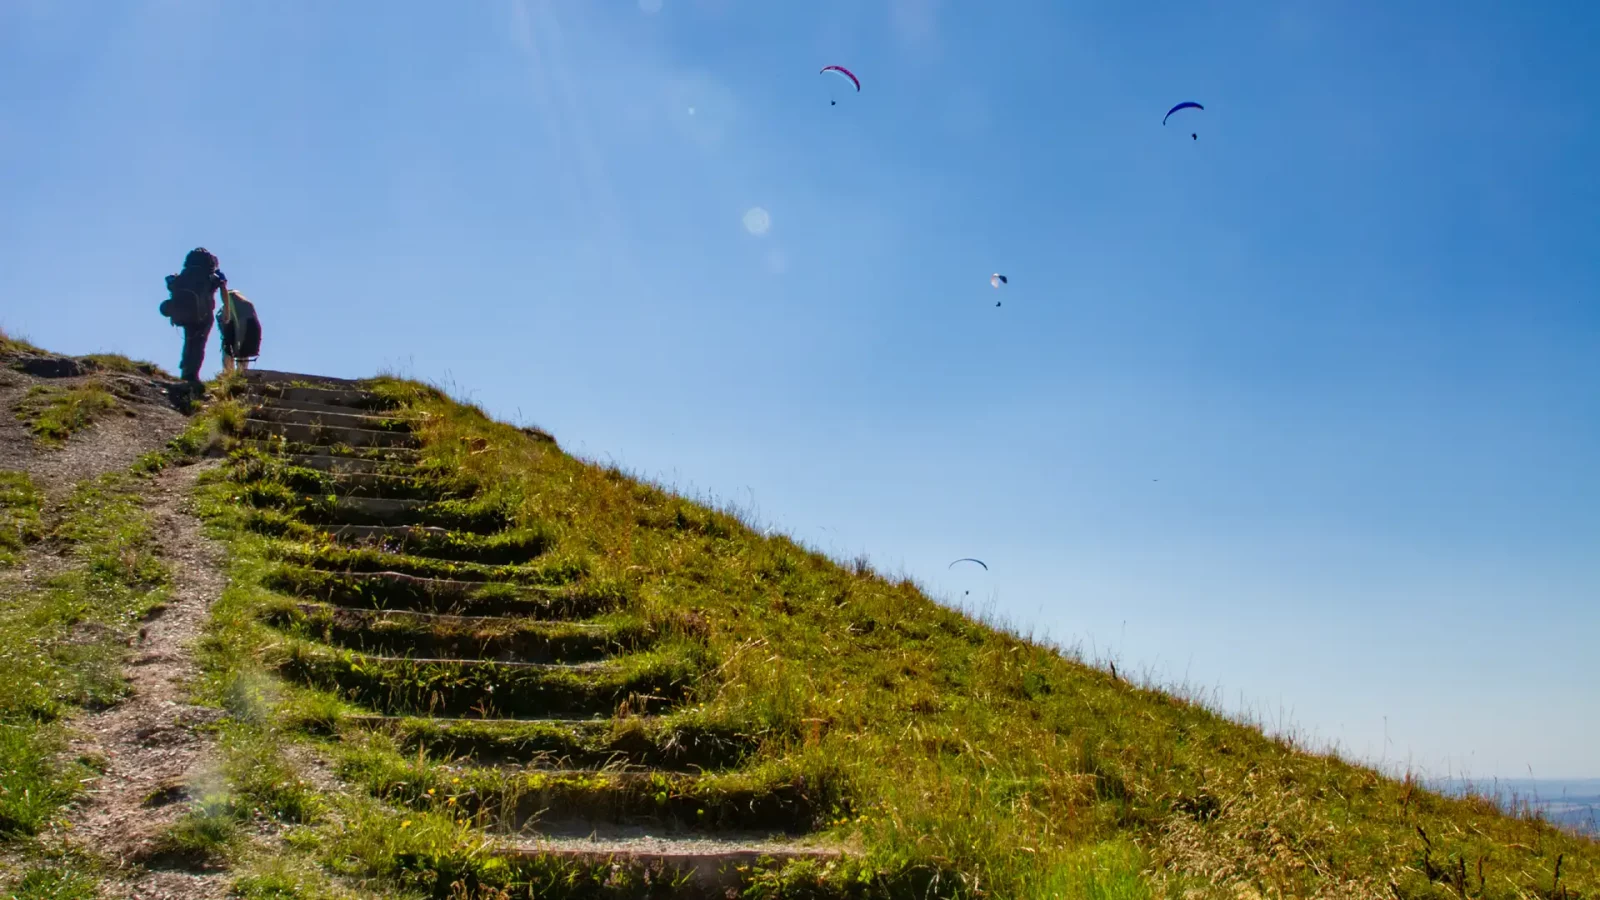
328, 436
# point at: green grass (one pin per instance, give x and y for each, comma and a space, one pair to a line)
970, 748
792, 796
56, 413
10, 345
21, 503
122, 365
205, 836
403, 634
61, 645
688, 741
960, 759
52, 882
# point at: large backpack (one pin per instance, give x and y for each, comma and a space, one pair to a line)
246, 327
189, 292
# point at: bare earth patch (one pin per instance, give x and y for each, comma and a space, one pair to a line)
143, 421
152, 742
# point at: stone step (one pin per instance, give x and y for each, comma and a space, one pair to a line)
708, 867
517, 799
599, 667
378, 508
377, 485
329, 435
381, 485
401, 686
272, 376
337, 398
345, 466
445, 546
401, 458
332, 417
376, 534
312, 406
395, 590
488, 638
447, 621
678, 743
346, 510
371, 559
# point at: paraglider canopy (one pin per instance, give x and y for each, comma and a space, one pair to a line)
997, 279
970, 560
844, 73
1187, 104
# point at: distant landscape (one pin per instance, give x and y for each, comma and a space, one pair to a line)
1570, 804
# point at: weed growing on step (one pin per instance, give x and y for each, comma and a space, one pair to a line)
391, 633
21, 503
397, 685
62, 642
685, 740
549, 571
54, 413
790, 796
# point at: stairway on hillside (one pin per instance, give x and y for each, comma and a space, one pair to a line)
519, 685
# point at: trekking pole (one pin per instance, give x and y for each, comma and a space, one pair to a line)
228, 317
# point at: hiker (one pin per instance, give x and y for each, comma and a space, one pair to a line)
241, 331
190, 304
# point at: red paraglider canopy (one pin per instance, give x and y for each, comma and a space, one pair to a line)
846, 73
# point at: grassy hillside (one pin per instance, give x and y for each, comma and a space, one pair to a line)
957, 759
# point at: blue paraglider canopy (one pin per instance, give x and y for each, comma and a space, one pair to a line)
1187, 104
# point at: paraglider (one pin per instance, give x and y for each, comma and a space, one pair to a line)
1187, 104
970, 560
842, 73
995, 281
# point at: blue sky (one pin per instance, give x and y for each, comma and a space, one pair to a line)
1303, 413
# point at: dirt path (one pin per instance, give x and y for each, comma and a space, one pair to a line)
143, 421
150, 741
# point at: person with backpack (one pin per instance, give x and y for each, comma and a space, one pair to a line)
190, 305
241, 331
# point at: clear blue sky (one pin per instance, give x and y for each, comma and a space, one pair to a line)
1354, 329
